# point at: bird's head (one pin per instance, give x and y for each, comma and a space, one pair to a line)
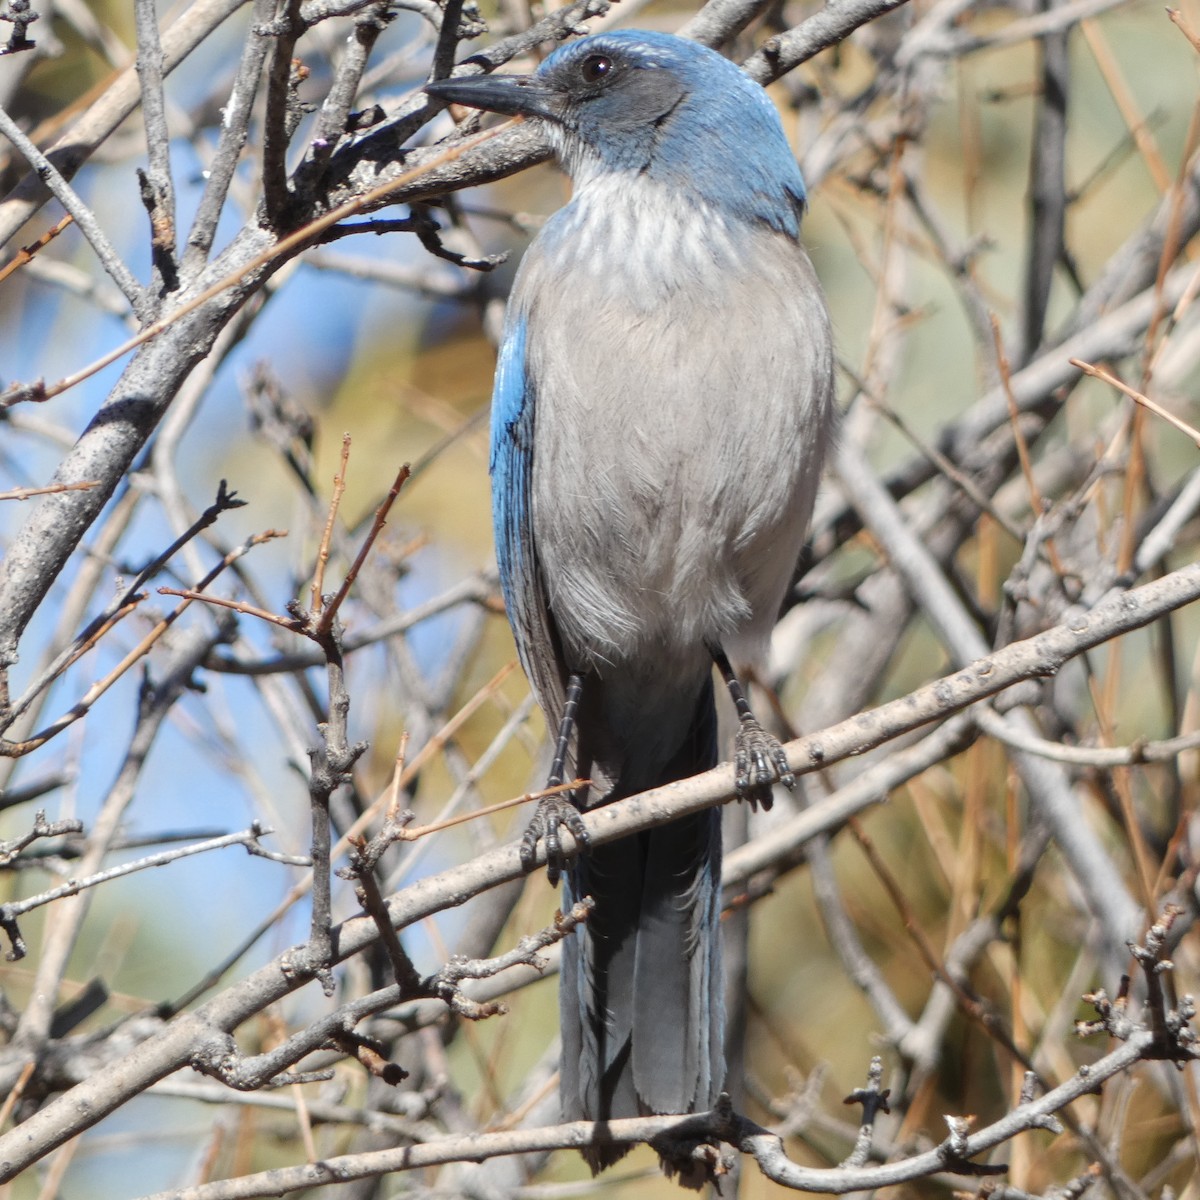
658, 106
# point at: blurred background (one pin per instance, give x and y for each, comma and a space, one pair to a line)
920, 138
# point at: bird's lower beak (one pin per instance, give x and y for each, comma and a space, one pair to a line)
514, 95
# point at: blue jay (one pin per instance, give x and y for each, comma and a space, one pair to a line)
662, 404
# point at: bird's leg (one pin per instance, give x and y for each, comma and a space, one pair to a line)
553, 812
566, 726
758, 759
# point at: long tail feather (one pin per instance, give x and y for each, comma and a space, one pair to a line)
641, 998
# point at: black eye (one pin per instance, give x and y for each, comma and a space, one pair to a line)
595, 67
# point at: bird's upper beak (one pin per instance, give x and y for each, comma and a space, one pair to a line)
514, 95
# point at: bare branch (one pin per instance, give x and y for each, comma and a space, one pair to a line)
80, 213
158, 186
10, 911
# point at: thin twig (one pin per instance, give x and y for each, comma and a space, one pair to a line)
1182, 24
339, 488
381, 514
1035, 496
16, 749
26, 253
225, 501
49, 489
291, 624
248, 838
1145, 401
413, 833
82, 215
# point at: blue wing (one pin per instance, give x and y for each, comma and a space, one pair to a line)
514, 404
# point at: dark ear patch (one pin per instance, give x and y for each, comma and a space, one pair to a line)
642, 97
649, 94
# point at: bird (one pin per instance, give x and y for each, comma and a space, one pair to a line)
663, 401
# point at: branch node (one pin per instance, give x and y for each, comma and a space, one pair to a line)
20, 16
874, 1100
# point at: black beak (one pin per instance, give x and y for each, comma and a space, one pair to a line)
514, 95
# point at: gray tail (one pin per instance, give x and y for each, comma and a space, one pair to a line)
641, 997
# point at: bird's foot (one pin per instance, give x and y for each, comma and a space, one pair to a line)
758, 763
693, 1163
551, 815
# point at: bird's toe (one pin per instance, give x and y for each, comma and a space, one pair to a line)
759, 763
552, 815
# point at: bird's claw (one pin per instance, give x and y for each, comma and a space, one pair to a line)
553, 812
759, 761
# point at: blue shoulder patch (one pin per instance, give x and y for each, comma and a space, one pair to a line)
513, 414
511, 465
